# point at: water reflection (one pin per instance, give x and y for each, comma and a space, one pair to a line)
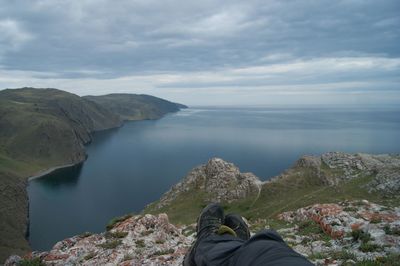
63, 177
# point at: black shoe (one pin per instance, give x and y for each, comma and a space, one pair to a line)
208, 223
236, 223
210, 219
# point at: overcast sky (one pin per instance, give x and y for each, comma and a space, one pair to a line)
206, 52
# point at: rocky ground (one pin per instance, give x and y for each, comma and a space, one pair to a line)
138, 240
346, 229
347, 233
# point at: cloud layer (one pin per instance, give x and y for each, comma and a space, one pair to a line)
201, 52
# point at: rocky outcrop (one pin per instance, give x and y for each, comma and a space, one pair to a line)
334, 167
219, 180
328, 234
358, 230
137, 240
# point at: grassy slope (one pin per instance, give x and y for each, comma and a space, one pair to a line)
136, 107
297, 188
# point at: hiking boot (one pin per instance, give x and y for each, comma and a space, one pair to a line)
208, 223
210, 219
237, 224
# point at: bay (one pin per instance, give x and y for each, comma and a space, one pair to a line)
132, 166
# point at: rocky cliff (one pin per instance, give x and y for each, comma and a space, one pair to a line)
351, 215
45, 128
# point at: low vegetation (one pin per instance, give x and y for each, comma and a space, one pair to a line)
140, 243
164, 252
31, 262
118, 234
111, 244
360, 235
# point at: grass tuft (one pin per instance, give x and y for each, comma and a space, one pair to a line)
110, 244
118, 234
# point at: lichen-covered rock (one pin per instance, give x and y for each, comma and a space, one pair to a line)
359, 230
138, 240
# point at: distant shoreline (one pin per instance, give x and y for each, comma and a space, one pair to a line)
52, 169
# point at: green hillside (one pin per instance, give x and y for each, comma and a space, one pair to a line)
136, 107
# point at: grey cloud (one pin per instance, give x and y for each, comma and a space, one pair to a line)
50, 41
129, 36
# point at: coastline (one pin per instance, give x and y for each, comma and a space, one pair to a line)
52, 169
47, 171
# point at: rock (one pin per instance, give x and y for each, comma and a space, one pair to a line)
339, 221
149, 240
13, 260
222, 181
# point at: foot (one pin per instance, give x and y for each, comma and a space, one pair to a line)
210, 220
208, 223
238, 225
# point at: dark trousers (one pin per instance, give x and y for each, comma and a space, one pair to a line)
264, 248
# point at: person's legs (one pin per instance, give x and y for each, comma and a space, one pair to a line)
266, 248
211, 248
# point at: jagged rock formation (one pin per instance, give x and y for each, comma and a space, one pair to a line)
138, 240
219, 180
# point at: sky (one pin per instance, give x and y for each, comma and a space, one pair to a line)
206, 52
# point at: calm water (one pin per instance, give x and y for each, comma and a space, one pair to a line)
132, 166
